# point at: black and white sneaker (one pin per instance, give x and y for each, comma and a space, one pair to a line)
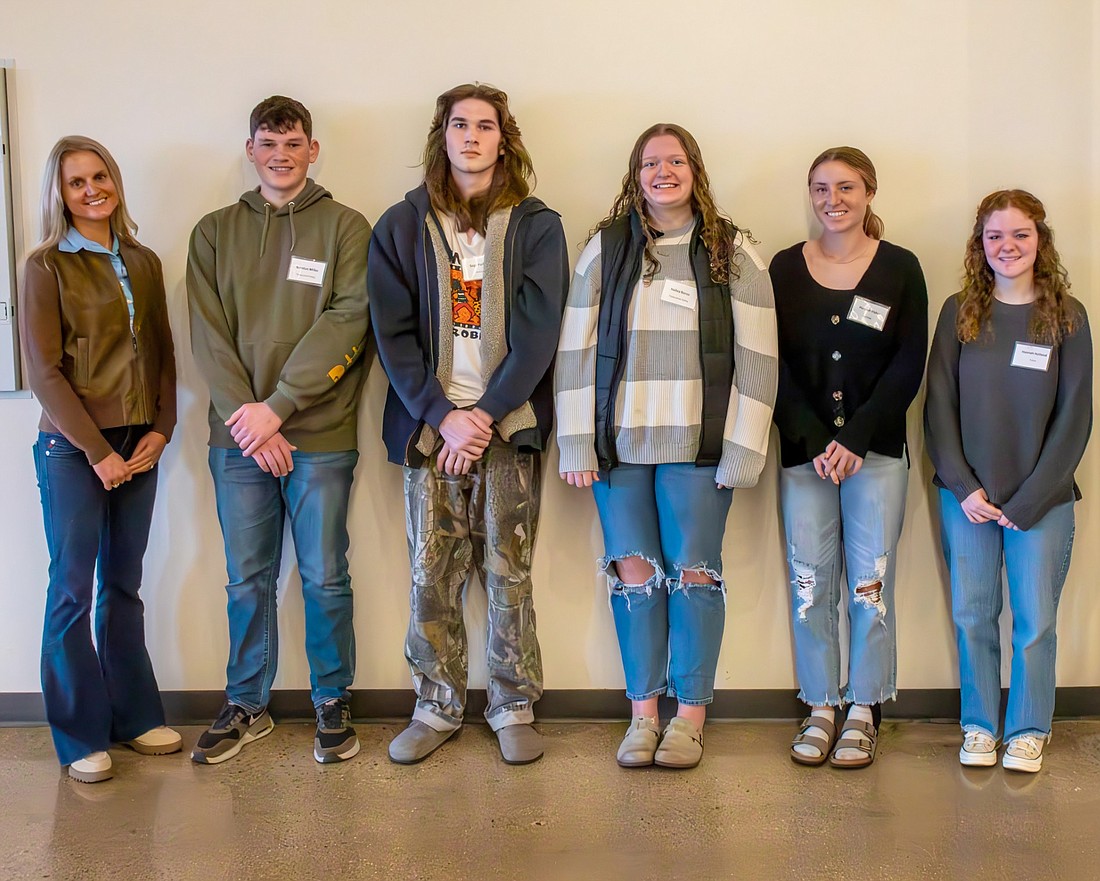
335, 740
233, 728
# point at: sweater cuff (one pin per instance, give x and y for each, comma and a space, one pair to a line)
281, 405
577, 452
740, 467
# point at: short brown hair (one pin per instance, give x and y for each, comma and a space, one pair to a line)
279, 114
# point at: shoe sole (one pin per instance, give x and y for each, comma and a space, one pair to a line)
326, 758
977, 760
639, 764
522, 761
249, 737
1027, 766
90, 776
158, 750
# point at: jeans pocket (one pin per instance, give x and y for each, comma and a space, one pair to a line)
51, 444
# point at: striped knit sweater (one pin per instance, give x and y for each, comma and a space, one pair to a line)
658, 406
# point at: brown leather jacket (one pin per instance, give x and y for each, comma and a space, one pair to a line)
83, 365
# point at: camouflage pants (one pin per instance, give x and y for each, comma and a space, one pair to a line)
488, 519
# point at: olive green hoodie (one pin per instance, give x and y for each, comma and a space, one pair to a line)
257, 335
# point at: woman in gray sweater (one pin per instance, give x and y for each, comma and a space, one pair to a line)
1007, 418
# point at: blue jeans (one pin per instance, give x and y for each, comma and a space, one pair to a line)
95, 695
252, 506
1036, 561
855, 526
670, 631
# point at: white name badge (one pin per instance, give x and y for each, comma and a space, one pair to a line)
1031, 356
680, 293
307, 271
868, 313
473, 268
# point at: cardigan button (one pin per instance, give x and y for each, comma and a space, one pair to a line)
839, 421
838, 396
835, 319
836, 356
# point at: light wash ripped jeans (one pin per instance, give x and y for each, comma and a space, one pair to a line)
669, 631
854, 526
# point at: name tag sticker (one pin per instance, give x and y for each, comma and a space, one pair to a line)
473, 268
680, 293
307, 271
868, 313
1031, 356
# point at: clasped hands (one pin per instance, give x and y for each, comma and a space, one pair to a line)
837, 463
466, 435
978, 509
114, 471
255, 429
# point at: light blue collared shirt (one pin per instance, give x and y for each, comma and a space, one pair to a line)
74, 241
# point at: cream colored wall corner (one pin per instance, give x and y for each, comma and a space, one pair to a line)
951, 100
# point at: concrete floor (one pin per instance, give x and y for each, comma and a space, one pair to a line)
747, 812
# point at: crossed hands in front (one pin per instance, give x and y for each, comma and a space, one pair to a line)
466, 435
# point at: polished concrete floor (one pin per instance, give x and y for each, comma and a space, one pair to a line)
746, 813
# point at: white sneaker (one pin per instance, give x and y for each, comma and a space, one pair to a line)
1024, 753
93, 768
979, 750
158, 741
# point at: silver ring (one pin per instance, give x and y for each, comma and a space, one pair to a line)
115, 485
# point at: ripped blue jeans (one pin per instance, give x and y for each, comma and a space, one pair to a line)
854, 527
674, 517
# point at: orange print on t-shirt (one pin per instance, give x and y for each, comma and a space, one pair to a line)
465, 304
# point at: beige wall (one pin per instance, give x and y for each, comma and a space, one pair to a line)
951, 99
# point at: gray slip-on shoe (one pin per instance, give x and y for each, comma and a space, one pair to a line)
417, 742
681, 745
639, 744
520, 744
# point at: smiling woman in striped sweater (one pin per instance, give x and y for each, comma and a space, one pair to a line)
664, 386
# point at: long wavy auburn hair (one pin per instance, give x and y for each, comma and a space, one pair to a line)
1051, 319
718, 232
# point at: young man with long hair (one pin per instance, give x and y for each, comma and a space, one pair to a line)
469, 275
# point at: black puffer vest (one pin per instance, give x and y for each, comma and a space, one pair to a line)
622, 247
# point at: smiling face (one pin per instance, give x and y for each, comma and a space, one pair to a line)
839, 196
282, 161
89, 194
666, 179
1011, 242
474, 144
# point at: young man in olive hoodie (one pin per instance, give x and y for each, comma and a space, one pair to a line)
276, 286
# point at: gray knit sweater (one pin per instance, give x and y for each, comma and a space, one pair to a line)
658, 408
1015, 432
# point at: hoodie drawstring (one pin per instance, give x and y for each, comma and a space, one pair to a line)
267, 221
293, 231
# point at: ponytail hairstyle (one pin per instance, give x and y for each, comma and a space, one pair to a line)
859, 162
719, 235
1051, 317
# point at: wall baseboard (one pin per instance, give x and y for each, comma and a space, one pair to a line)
199, 707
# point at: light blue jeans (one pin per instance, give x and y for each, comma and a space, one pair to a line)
854, 526
252, 508
669, 631
1036, 561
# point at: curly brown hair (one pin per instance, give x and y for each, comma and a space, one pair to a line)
861, 164
1051, 319
510, 176
719, 234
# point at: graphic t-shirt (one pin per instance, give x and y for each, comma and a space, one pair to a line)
466, 385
